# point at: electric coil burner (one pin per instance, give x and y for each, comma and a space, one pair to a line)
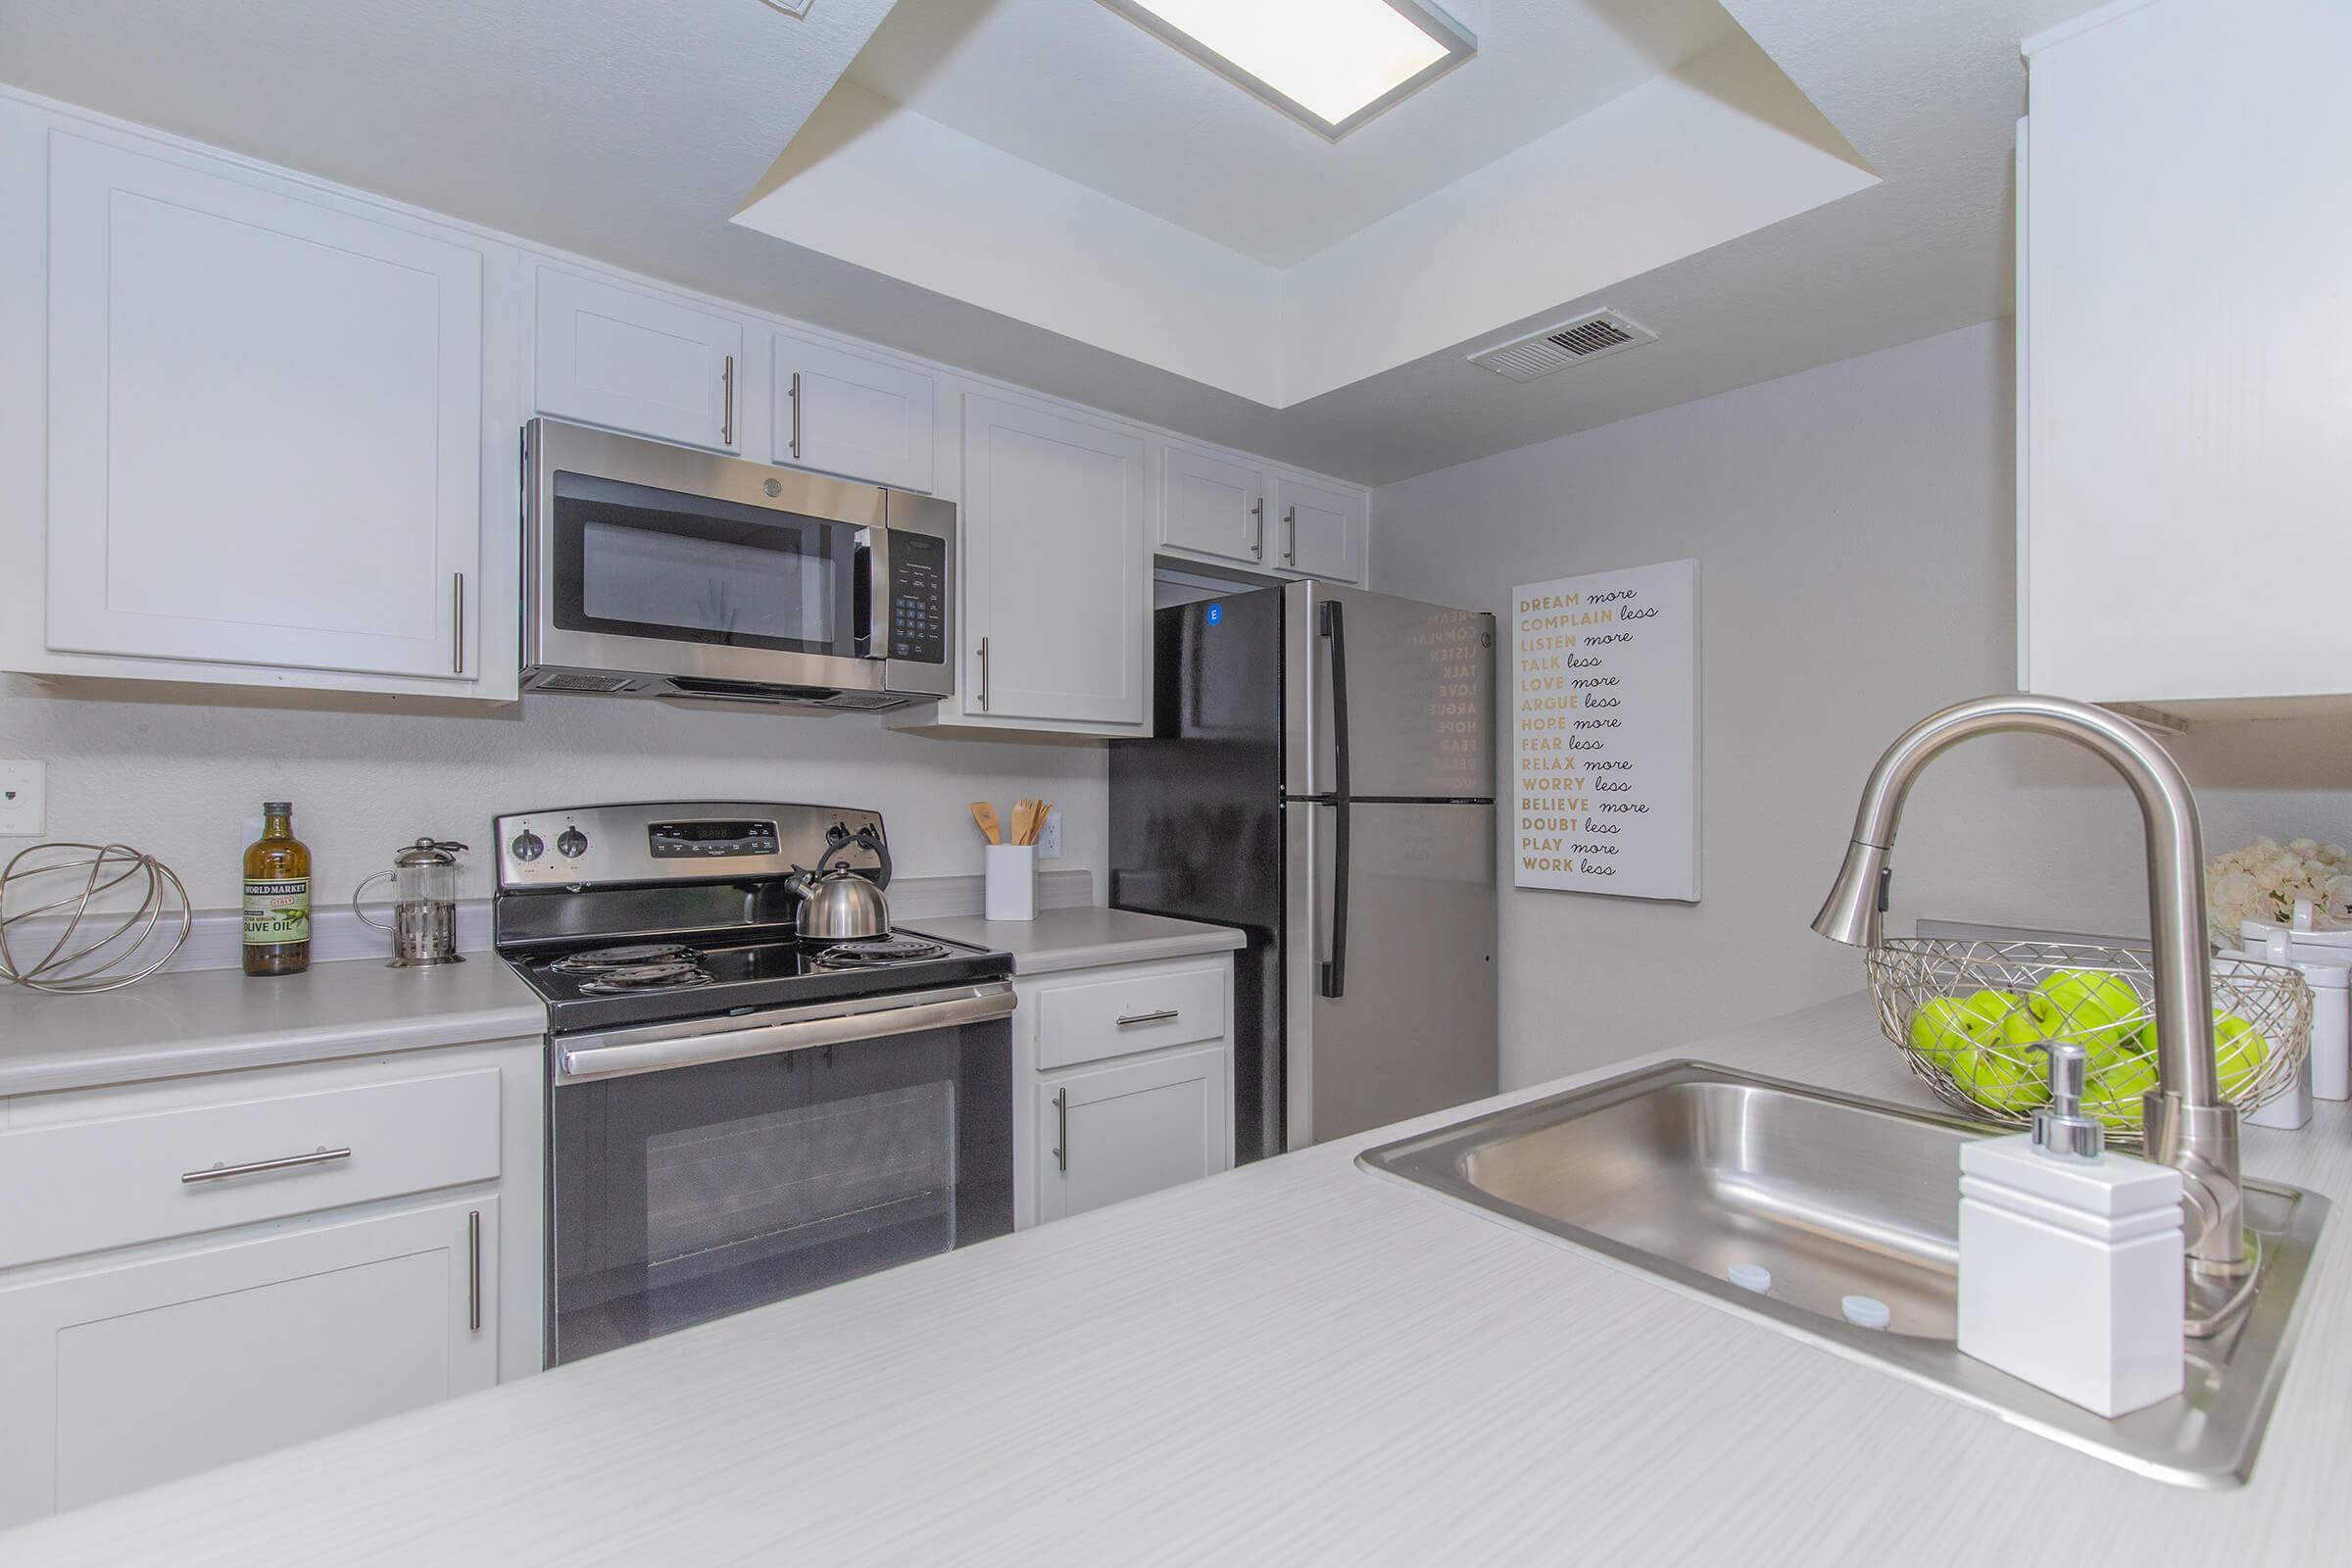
878, 953
736, 1117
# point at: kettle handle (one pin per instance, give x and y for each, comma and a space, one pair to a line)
866, 836
356, 893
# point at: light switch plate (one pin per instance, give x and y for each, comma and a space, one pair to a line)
1048, 840
23, 798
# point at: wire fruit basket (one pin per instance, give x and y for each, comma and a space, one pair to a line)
1967, 1015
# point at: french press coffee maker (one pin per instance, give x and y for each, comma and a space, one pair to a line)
424, 908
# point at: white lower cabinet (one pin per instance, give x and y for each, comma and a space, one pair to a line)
126, 1376
1132, 1127
1126, 1083
210, 1267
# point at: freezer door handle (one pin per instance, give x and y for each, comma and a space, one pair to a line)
1334, 628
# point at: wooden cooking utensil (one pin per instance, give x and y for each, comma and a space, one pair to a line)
986, 815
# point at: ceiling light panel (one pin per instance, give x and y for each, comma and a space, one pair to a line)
1330, 65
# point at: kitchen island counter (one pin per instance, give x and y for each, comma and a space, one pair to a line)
1295, 1361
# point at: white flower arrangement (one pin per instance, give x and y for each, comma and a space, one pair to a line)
2264, 881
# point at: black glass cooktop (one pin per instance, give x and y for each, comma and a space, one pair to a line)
601, 985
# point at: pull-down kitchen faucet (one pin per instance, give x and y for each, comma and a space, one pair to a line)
2189, 1125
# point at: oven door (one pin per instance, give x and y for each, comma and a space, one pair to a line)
701, 1169
659, 560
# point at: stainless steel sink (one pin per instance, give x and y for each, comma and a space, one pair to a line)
1683, 1170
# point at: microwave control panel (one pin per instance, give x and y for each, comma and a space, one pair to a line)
918, 598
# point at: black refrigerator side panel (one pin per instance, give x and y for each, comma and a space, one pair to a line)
1195, 819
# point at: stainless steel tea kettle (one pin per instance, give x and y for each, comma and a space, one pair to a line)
841, 902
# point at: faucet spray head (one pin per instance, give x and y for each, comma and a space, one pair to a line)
1851, 914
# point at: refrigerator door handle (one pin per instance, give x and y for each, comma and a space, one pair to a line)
1334, 627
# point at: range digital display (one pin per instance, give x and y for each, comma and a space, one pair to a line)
672, 840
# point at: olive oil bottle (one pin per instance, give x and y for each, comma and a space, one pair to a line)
278, 895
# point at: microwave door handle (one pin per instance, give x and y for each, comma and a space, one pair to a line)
872, 591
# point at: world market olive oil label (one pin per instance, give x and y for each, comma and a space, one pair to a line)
278, 895
277, 913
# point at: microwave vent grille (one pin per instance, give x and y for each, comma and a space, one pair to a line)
568, 681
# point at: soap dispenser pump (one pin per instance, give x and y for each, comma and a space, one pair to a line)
2071, 1258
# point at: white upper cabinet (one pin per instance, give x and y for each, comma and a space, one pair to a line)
639, 363
2184, 328
846, 413
1319, 530
1212, 506
265, 424
1057, 572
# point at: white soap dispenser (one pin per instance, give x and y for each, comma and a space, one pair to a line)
2071, 1257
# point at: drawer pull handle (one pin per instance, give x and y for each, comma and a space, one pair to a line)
1160, 1016
316, 1156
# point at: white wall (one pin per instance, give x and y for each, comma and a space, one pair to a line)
178, 772
1853, 527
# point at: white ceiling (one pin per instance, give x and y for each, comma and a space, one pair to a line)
631, 132
1075, 88
1096, 182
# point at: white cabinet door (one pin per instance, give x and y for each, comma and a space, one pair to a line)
1211, 505
265, 422
2185, 513
1057, 568
1118, 1132
1320, 529
124, 1377
847, 414
633, 361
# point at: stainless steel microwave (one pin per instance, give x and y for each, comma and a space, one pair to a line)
656, 570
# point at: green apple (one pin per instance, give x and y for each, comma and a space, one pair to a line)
2114, 1092
1999, 1079
1945, 1024
2020, 1029
2238, 1053
2098, 1011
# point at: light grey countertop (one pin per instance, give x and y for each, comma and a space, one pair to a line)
215, 1020
1296, 1361
1085, 938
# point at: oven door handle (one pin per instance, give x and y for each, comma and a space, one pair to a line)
656, 1048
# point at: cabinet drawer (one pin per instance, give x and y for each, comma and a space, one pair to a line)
1090, 1020
96, 1185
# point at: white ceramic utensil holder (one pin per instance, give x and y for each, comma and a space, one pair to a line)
1010, 877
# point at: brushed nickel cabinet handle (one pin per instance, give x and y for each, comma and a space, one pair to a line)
1160, 1016
726, 422
254, 1167
984, 674
1258, 534
474, 1271
1289, 551
1061, 1130
457, 622
796, 413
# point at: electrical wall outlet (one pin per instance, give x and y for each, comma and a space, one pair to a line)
1048, 842
23, 798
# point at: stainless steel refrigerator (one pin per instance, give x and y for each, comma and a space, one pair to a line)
1321, 775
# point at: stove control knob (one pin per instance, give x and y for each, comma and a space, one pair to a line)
571, 844
528, 844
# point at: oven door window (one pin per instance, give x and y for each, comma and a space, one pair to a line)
687, 1195
634, 562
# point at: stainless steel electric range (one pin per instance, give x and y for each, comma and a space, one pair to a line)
735, 1115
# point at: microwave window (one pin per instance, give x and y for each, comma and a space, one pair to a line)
635, 562
728, 592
